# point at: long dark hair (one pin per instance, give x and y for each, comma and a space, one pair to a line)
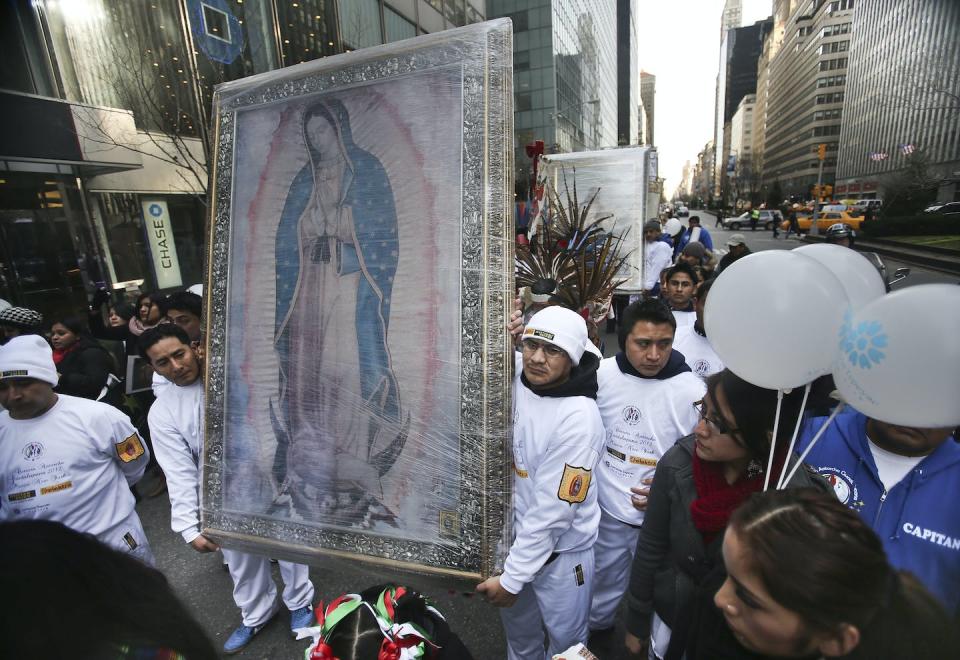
107, 599
819, 559
754, 411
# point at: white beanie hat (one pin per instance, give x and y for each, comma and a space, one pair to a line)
561, 327
28, 356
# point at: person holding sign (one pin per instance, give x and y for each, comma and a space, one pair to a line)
557, 436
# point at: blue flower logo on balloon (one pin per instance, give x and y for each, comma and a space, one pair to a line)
862, 343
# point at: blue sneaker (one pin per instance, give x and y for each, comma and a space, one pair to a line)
302, 618
240, 637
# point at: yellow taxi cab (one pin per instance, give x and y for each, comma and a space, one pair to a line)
827, 218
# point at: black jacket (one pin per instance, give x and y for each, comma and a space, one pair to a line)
670, 551
84, 370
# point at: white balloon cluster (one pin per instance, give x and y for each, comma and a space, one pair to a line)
780, 319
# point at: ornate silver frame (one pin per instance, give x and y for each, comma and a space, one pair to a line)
484, 53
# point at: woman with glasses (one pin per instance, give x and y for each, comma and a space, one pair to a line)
698, 484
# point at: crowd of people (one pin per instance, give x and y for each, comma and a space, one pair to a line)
643, 493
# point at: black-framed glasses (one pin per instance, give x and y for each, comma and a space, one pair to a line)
715, 423
530, 347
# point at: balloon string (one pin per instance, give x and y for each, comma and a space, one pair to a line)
803, 456
793, 441
773, 444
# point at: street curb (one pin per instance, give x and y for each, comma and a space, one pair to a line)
926, 248
916, 257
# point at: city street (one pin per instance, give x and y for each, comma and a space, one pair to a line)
205, 586
762, 239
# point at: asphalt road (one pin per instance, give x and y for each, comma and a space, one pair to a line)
762, 239
204, 586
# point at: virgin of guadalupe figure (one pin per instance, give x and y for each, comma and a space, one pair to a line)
338, 415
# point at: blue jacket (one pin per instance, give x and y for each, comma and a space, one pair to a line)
918, 520
705, 239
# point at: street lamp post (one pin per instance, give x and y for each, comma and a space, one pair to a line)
821, 154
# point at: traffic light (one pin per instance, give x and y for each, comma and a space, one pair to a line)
822, 151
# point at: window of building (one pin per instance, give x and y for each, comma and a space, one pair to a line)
841, 5
524, 102
521, 61
519, 19
360, 23
396, 26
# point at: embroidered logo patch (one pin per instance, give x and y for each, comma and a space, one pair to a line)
578, 571
130, 449
56, 488
130, 541
643, 460
19, 497
32, 451
14, 373
574, 484
701, 367
632, 415
616, 454
543, 333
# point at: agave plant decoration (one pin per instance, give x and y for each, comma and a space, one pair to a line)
576, 253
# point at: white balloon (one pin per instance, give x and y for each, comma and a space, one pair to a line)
773, 318
899, 357
859, 278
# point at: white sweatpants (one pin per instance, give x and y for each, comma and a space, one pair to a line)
614, 550
128, 536
558, 599
254, 591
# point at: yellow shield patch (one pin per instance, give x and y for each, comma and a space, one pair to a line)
130, 449
574, 484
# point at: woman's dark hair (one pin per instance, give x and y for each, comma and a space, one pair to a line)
754, 411
152, 296
74, 324
819, 559
124, 310
650, 310
109, 599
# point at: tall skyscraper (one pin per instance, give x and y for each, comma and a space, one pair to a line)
564, 75
805, 95
628, 74
901, 95
648, 94
737, 77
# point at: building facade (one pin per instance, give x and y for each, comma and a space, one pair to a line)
740, 53
894, 112
629, 105
564, 76
648, 96
105, 107
807, 79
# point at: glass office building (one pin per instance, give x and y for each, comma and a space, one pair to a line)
564, 75
901, 95
104, 108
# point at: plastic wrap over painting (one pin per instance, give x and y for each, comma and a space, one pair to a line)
623, 178
361, 259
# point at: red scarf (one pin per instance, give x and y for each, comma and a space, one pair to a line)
59, 354
717, 500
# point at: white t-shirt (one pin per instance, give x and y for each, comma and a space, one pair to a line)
892, 467
656, 256
643, 418
696, 349
73, 464
176, 428
556, 445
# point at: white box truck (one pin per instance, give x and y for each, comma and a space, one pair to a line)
628, 190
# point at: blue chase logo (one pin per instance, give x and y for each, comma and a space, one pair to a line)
862, 343
155, 210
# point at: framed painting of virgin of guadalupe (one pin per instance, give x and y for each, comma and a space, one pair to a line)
360, 281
